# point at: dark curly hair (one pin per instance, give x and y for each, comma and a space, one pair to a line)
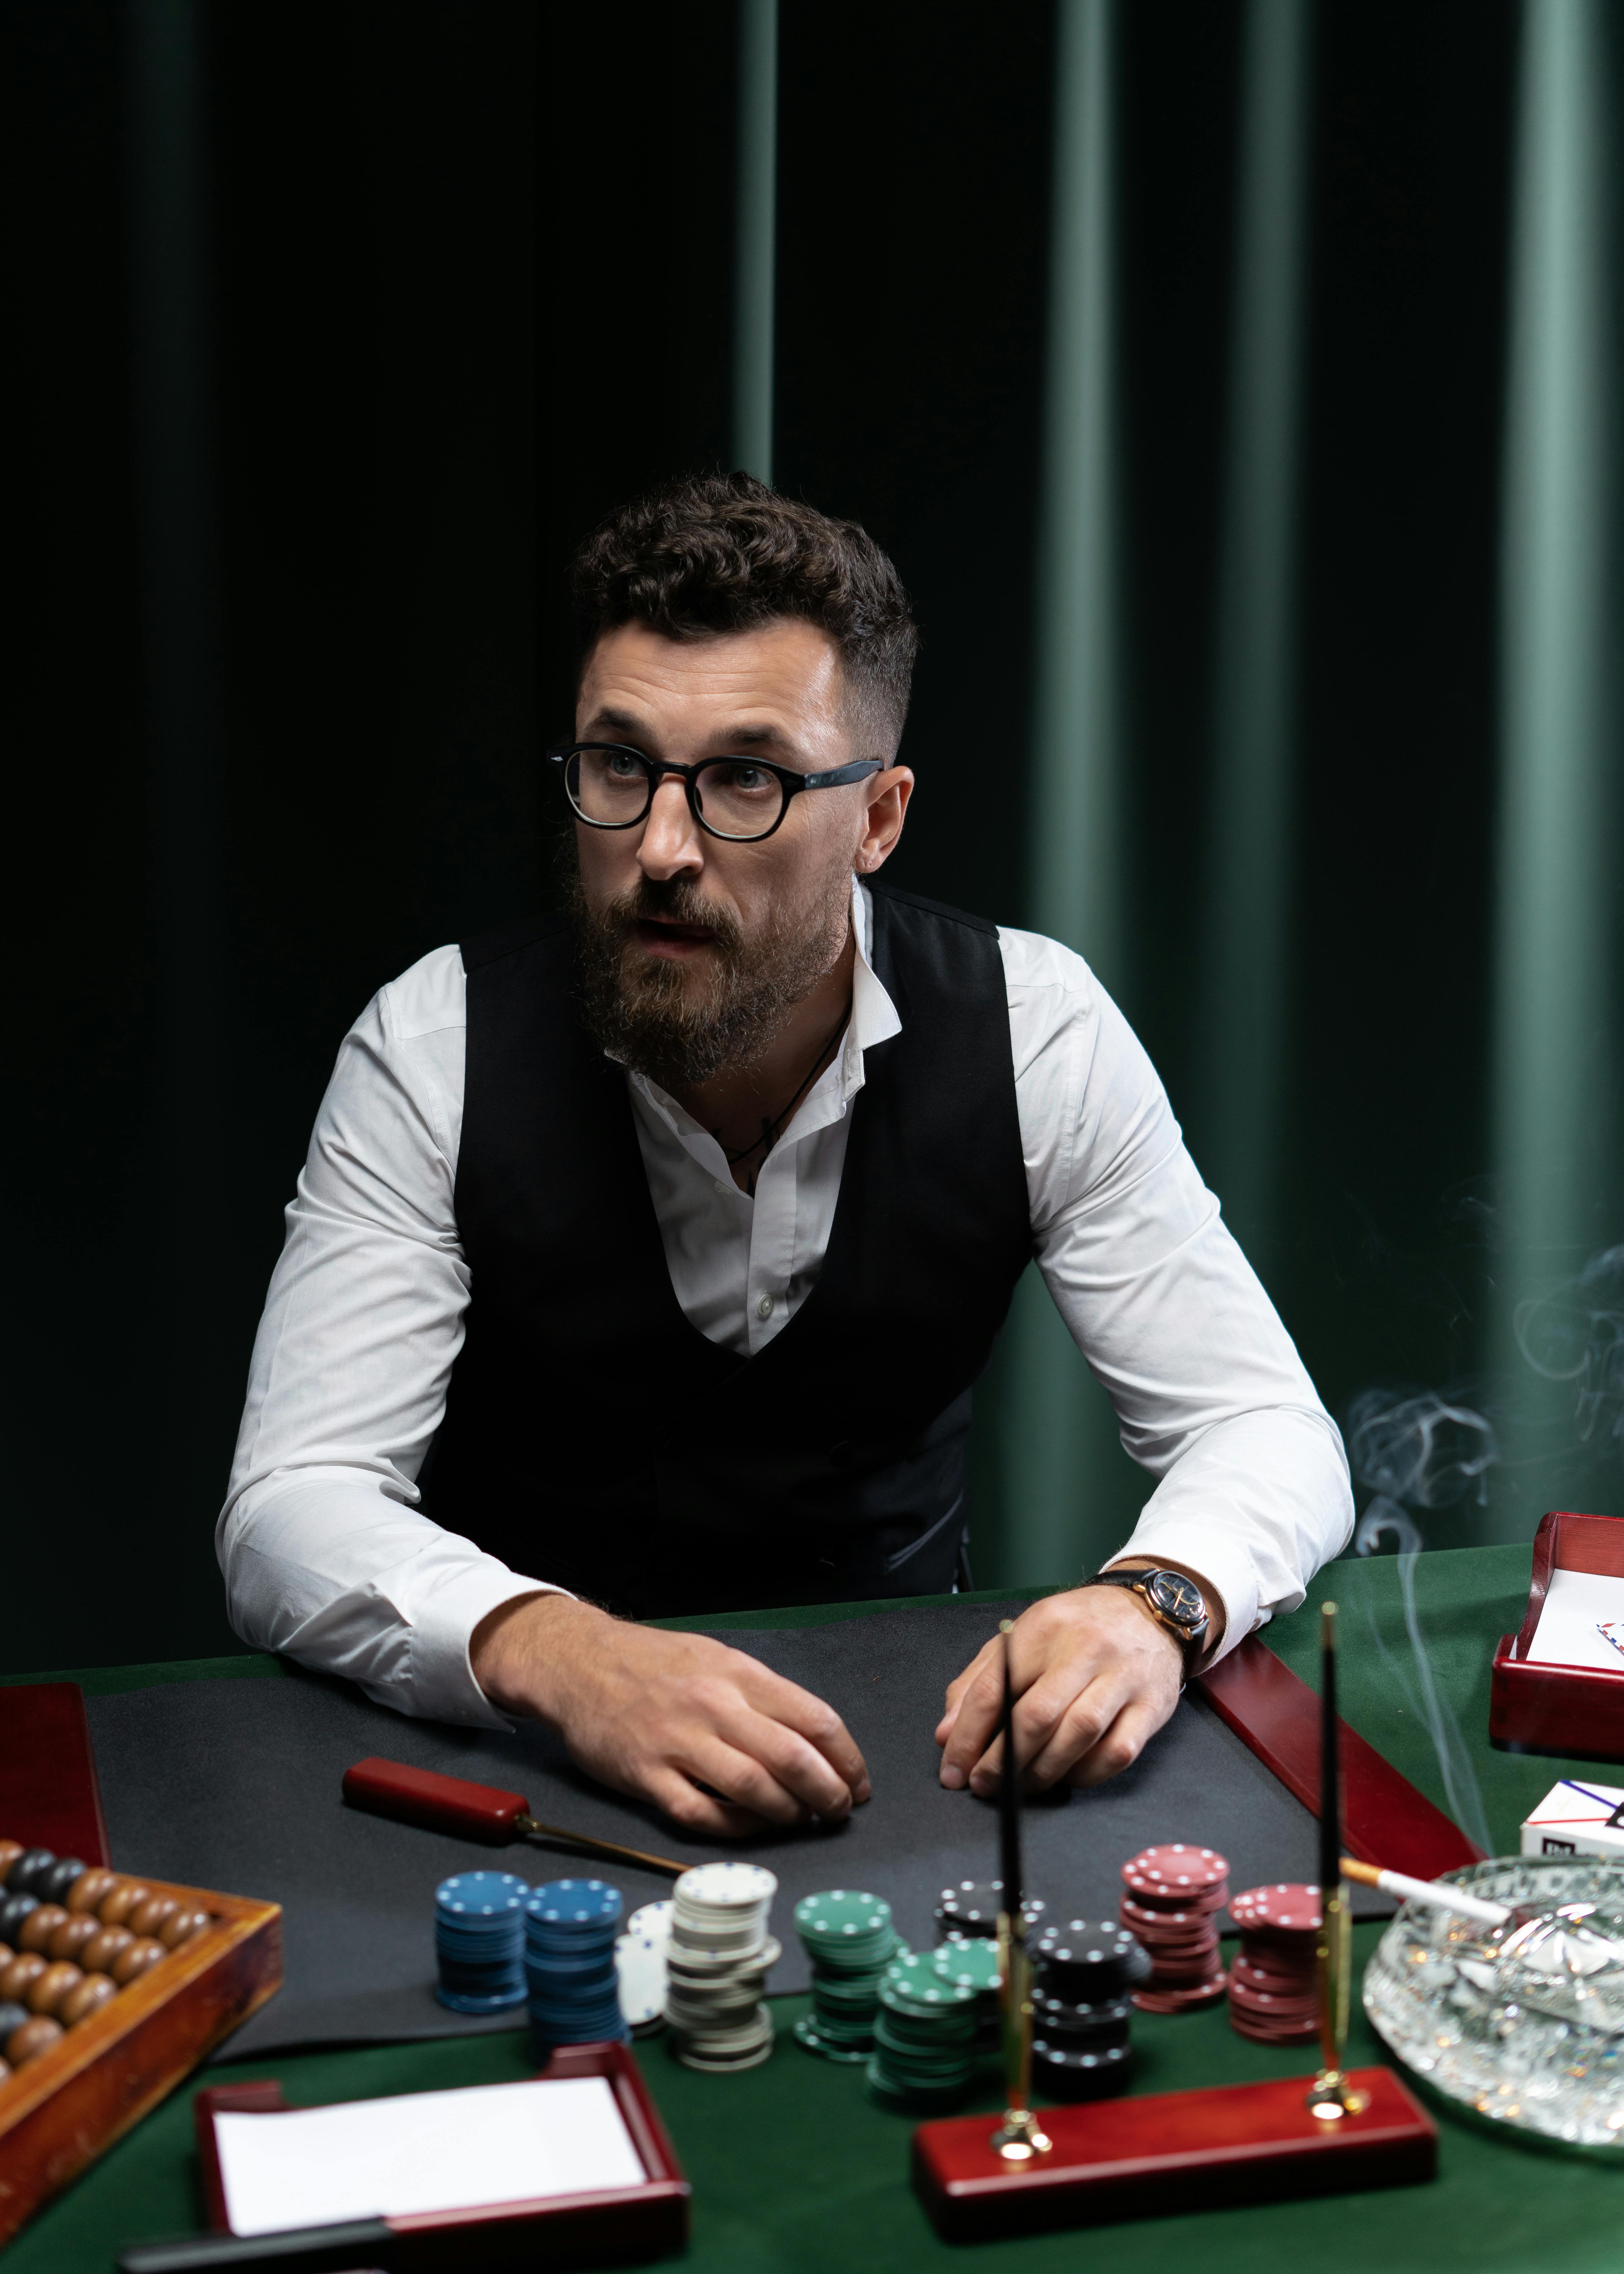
723, 553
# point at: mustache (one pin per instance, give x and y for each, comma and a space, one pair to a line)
675, 900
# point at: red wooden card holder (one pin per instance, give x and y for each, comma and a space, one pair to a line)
613, 2227
1170, 2151
1576, 1712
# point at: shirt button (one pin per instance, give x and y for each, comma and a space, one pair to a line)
722, 1188
764, 1309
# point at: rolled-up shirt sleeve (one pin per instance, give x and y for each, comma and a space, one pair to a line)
325, 1554
1210, 1394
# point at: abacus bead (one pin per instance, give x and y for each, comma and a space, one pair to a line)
41, 1924
36, 2036
181, 1928
20, 1879
53, 1985
21, 1975
52, 1886
89, 1997
86, 1893
72, 1936
6, 1955
127, 1896
13, 1910
135, 1961
10, 1851
146, 1918
5, 2070
98, 1954
12, 2016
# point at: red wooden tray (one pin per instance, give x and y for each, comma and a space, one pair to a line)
48, 1772
1385, 1819
1576, 1712
616, 2226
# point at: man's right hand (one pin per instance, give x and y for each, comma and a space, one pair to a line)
709, 1733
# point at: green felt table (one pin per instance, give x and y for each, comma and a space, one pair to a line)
793, 2168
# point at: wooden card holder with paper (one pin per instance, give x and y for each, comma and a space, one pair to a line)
1558, 1684
601, 2218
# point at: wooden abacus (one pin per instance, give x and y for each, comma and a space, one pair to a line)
112, 1988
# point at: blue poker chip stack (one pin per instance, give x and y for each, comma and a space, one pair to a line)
479, 1941
570, 1927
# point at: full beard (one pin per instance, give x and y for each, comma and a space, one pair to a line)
681, 1023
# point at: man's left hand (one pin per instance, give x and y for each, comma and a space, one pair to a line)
1095, 1675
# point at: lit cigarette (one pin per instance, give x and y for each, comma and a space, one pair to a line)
1436, 1892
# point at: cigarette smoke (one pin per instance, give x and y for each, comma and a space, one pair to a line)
1419, 1450
1575, 1333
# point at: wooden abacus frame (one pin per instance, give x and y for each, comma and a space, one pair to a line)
59, 2112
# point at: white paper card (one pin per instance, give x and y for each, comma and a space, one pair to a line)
1582, 1614
485, 2143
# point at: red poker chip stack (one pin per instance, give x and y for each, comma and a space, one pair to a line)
1274, 1981
1173, 1897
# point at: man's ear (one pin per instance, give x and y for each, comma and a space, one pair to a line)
886, 811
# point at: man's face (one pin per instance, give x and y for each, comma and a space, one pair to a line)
696, 948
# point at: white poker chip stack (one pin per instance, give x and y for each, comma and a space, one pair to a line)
715, 1966
640, 1956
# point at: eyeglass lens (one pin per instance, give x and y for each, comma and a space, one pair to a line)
735, 798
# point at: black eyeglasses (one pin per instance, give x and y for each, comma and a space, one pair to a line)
612, 787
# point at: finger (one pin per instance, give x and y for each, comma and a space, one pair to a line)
694, 1810
809, 1717
980, 1712
1095, 1710
795, 1764
1122, 1744
956, 1690
736, 1776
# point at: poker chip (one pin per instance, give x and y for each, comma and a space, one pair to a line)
925, 2029
1172, 1895
640, 1978
479, 1941
571, 1927
850, 1939
718, 1953
1089, 1959
973, 1908
1274, 1981
1065, 2073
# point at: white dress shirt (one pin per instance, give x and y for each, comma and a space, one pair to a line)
325, 1554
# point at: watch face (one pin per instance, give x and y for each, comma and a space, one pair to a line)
1177, 1597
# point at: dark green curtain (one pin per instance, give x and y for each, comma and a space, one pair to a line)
1201, 363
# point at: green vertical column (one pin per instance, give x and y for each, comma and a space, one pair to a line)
1557, 860
1067, 1486
755, 236
1244, 1000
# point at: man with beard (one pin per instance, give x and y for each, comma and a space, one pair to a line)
645, 1256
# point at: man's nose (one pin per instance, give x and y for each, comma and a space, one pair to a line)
670, 842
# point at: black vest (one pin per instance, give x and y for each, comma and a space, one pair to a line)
594, 1437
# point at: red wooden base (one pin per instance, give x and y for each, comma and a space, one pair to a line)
1170, 2151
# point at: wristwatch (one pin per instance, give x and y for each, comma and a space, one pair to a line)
1172, 1598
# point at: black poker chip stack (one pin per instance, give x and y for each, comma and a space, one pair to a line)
971, 1907
1085, 1972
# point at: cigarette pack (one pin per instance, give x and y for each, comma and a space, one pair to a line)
1576, 1818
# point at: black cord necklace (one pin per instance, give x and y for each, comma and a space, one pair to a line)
769, 1130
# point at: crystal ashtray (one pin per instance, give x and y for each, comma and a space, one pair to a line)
1528, 2071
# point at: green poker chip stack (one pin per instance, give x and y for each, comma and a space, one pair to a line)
972, 1961
850, 1941
924, 2037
